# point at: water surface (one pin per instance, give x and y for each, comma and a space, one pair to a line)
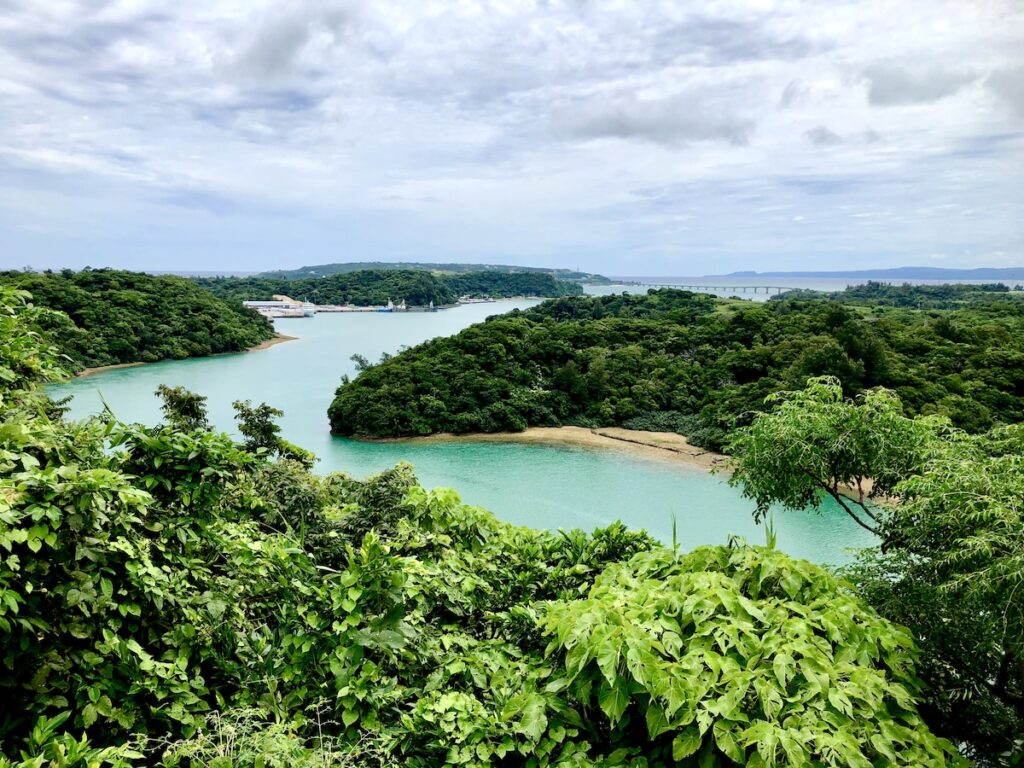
535, 485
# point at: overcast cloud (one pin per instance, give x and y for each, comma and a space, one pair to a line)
625, 137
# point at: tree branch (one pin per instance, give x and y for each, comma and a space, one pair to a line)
842, 503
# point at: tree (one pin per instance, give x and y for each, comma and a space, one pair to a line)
257, 425
958, 582
28, 358
952, 563
183, 410
361, 362
818, 443
172, 591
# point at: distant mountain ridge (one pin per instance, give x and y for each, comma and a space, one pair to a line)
900, 273
323, 270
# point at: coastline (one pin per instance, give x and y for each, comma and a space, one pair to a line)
278, 338
669, 447
660, 446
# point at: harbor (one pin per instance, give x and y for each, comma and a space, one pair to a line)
286, 307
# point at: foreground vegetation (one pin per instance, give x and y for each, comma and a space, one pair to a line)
110, 317
376, 287
168, 596
951, 562
689, 363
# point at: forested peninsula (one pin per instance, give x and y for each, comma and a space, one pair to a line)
113, 317
698, 365
173, 597
377, 287
322, 270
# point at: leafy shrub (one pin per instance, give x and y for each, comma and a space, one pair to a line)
739, 656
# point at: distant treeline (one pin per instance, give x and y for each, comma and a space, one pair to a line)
948, 296
112, 316
322, 270
377, 287
678, 361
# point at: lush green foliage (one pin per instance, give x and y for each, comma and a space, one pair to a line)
815, 440
108, 317
698, 364
948, 296
740, 653
322, 270
377, 287
168, 593
501, 284
952, 561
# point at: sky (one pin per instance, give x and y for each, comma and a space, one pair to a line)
627, 137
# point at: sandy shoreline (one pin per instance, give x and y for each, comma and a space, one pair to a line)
100, 369
661, 446
277, 339
657, 446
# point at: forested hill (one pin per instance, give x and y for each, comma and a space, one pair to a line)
678, 361
322, 270
949, 296
376, 287
113, 316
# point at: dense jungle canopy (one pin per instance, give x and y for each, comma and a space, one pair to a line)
376, 287
677, 361
110, 317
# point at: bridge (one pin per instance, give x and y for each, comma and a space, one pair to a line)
766, 289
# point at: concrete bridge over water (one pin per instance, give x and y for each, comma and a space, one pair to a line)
765, 289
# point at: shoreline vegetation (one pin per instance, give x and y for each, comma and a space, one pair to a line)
663, 446
112, 317
375, 288
676, 361
279, 338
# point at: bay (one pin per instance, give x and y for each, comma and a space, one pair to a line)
535, 485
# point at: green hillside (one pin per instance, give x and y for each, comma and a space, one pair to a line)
377, 287
113, 316
322, 270
677, 361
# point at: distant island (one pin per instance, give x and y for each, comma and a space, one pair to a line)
900, 273
324, 270
376, 287
676, 361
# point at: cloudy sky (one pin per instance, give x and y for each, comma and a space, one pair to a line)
627, 137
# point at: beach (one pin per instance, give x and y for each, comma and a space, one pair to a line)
663, 446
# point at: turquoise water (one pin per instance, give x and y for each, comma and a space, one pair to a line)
539, 486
